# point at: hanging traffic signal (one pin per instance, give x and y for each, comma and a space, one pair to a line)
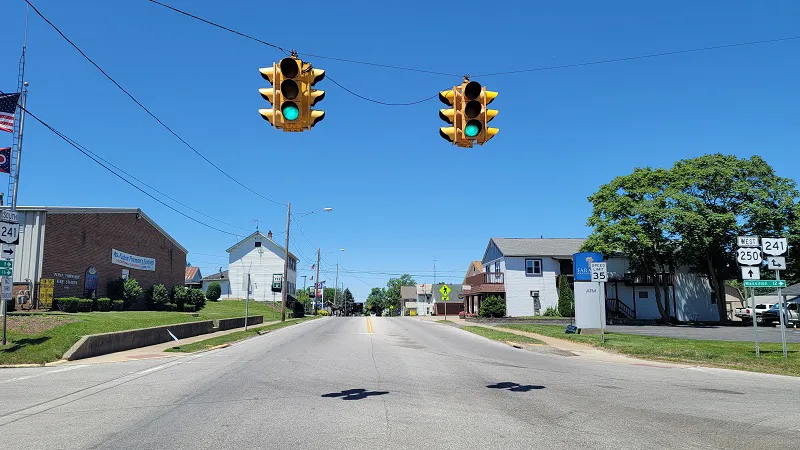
469, 114
292, 95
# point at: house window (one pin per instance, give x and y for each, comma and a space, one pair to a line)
644, 294
533, 267
258, 244
497, 267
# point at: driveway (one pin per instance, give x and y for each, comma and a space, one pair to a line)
710, 332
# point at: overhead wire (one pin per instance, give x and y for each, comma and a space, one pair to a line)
88, 154
147, 110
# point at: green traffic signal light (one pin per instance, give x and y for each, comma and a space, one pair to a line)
290, 111
473, 128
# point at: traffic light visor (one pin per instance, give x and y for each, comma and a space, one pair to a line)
472, 90
290, 89
289, 67
472, 109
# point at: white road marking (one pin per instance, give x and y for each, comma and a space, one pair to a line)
27, 377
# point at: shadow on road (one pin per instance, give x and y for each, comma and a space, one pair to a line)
354, 394
515, 387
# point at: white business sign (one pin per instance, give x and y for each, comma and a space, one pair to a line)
749, 256
748, 241
774, 246
751, 273
599, 272
776, 263
134, 262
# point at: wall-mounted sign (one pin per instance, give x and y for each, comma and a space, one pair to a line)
66, 279
134, 262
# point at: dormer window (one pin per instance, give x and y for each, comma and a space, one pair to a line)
258, 244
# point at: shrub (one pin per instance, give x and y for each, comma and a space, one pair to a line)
322, 312
189, 308
180, 296
102, 304
116, 289
493, 306
197, 298
170, 307
68, 304
117, 305
84, 304
551, 312
157, 296
214, 291
131, 292
566, 299
462, 314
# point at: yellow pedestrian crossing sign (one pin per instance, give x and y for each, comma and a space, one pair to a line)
445, 290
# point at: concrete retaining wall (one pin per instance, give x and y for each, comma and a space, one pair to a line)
101, 344
238, 322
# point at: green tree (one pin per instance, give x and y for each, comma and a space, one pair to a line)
180, 296
303, 297
158, 297
631, 215
376, 301
197, 298
348, 301
566, 298
214, 291
493, 306
131, 292
393, 290
718, 197
115, 289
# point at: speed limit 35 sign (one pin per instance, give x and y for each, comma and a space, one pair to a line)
599, 272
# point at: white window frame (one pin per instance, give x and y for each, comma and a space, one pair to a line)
533, 272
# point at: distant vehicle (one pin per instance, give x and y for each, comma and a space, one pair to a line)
791, 316
746, 313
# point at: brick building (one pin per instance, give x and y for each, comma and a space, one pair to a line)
82, 249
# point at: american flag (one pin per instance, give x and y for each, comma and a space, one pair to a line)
8, 106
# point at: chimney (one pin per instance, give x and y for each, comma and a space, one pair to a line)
269, 234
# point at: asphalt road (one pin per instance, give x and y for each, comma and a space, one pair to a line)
711, 332
331, 384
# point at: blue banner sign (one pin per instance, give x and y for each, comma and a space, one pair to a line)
581, 262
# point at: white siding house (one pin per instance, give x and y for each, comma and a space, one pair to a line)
260, 257
224, 283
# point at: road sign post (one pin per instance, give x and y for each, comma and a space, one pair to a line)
755, 319
445, 291
599, 274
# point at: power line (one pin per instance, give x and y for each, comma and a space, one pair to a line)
88, 154
380, 102
146, 109
536, 69
631, 58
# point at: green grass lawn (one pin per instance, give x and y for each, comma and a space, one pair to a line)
727, 354
44, 337
498, 335
233, 337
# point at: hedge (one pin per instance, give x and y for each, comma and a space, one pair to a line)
117, 305
73, 304
102, 304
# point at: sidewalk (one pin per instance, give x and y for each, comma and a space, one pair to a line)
155, 351
577, 348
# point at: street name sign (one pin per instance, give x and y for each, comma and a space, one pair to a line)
751, 273
774, 246
5, 272
599, 272
747, 241
749, 256
6, 263
776, 263
765, 283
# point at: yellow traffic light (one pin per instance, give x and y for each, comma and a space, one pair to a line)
469, 114
292, 95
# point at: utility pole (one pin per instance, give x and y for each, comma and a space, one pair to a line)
336, 285
316, 283
285, 284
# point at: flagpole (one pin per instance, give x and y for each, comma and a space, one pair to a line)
19, 143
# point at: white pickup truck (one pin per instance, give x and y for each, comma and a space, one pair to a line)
746, 313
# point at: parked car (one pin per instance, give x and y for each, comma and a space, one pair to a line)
770, 316
746, 313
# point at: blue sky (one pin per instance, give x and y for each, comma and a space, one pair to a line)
402, 196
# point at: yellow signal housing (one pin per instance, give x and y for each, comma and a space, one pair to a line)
291, 95
488, 115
